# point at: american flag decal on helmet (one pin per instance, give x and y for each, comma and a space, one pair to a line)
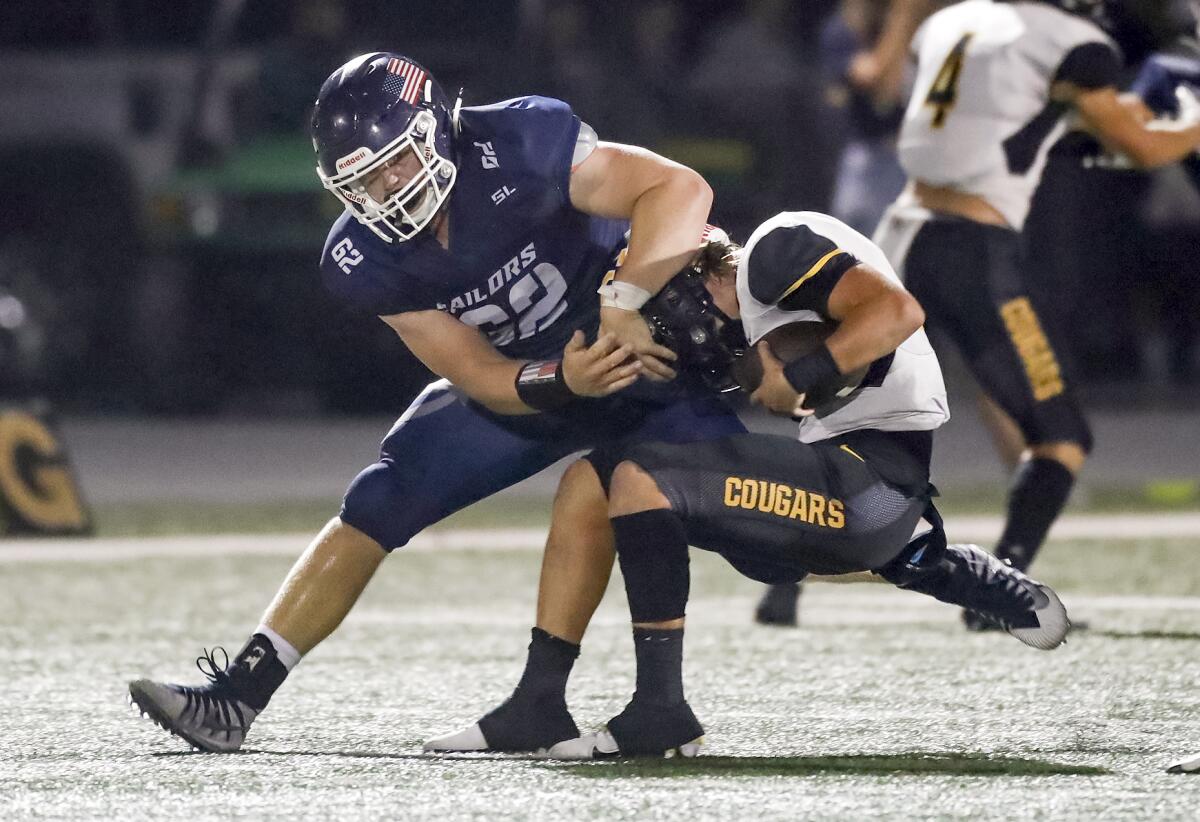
713, 234
405, 80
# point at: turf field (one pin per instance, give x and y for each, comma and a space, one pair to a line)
879, 707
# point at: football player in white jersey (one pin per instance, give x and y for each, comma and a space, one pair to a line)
864, 47
845, 496
994, 82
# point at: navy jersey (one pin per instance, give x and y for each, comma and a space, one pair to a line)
523, 264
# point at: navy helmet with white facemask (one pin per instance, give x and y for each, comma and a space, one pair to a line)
378, 109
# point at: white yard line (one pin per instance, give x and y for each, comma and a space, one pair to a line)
978, 528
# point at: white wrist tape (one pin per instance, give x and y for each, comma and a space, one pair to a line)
627, 296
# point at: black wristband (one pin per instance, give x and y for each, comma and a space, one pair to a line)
811, 370
540, 385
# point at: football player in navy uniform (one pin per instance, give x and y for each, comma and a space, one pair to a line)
1167, 82
994, 83
844, 497
1169, 79
481, 235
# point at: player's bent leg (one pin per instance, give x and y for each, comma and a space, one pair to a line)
651, 545
323, 585
632, 490
1011, 351
579, 555
214, 717
967, 575
1040, 489
1007, 437
576, 566
575, 571
314, 598
1071, 455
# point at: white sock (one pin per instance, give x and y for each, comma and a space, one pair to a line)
285, 651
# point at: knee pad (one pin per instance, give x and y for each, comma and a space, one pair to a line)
653, 553
373, 504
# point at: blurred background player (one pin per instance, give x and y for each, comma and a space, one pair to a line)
1174, 36
994, 80
865, 62
844, 497
1165, 82
1092, 221
865, 67
481, 236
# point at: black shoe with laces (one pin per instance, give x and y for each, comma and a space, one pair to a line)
216, 716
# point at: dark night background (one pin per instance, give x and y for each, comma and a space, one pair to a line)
162, 222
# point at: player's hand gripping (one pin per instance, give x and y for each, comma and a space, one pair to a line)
775, 393
600, 369
631, 330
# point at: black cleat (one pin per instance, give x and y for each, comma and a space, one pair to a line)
642, 729
519, 725
780, 605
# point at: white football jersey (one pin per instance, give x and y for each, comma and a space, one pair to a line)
980, 119
911, 395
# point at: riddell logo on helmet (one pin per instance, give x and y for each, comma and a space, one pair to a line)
352, 159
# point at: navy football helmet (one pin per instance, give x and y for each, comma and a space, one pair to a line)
376, 110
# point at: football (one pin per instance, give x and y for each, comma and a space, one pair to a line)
789, 342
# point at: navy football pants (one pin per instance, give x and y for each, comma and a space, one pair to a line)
446, 452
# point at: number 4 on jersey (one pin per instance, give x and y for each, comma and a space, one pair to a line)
944, 92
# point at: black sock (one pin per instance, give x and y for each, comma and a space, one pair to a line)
256, 672
659, 665
1039, 492
548, 666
